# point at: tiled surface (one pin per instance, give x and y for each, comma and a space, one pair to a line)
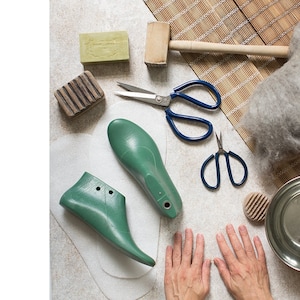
204, 211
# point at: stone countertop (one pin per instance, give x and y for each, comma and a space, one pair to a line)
203, 210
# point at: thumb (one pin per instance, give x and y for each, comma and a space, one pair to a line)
206, 273
223, 270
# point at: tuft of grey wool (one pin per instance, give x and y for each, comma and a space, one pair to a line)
273, 112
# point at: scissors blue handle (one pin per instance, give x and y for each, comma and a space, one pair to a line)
177, 93
170, 115
227, 156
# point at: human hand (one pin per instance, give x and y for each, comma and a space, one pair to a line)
187, 276
243, 271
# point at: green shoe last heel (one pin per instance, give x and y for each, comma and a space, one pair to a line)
139, 154
103, 208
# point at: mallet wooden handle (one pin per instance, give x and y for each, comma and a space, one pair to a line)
158, 43
199, 47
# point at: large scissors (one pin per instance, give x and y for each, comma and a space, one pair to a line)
152, 98
227, 155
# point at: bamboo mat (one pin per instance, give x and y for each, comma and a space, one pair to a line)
233, 21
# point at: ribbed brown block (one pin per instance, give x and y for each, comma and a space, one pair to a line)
79, 95
255, 206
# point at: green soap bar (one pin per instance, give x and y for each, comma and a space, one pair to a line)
103, 47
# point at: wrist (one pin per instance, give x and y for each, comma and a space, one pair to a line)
256, 295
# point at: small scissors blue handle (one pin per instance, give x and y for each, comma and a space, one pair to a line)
152, 98
227, 155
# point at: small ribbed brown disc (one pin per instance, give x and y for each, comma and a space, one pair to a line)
255, 206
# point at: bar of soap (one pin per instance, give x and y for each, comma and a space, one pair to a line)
79, 95
103, 47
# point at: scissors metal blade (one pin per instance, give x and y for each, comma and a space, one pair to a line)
220, 143
133, 88
147, 98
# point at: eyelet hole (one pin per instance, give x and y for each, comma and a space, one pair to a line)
167, 205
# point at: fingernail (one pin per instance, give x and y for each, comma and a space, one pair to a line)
242, 228
177, 235
169, 248
229, 226
219, 236
256, 238
208, 262
188, 233
188, 230
200, 236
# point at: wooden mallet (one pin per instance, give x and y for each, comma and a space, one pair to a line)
158, 43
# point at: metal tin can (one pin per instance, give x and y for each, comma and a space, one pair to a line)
282, 223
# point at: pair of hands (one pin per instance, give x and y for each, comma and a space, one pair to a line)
243, 270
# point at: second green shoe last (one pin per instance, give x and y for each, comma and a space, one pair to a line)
138, 153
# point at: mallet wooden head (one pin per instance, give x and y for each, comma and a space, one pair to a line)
158, 43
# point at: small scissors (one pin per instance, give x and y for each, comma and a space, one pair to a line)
227, 156
152, 98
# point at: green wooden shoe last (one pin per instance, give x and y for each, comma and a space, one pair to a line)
103, 208
139, 154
